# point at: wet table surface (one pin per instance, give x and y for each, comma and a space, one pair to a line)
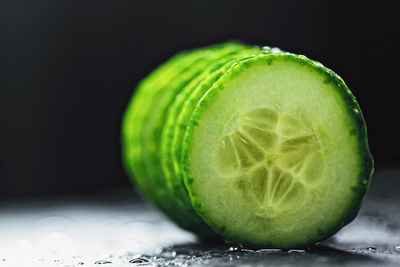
117, 229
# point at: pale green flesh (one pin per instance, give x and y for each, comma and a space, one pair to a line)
271, 156
179, 115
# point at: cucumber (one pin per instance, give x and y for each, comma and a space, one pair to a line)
276, 153
263, 147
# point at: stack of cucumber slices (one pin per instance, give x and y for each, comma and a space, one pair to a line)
259, 146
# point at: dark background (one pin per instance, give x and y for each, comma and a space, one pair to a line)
68, 68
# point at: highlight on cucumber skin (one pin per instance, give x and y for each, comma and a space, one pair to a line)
260, 146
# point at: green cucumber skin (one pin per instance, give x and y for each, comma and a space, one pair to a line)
177, 120
134, 111
353, 110
134, 165
131, 120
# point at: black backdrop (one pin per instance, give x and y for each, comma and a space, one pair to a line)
68, 68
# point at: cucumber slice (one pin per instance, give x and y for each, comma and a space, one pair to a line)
276, 153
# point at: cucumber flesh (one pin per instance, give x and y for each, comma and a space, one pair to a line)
276, 153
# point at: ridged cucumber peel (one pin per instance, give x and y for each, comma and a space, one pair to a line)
149, 94
180, 113
132, 124
132, 129
276, 153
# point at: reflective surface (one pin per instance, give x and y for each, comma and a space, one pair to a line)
116, 229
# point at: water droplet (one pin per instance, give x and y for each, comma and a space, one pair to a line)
372, 249
139, 261
263, 250
233, 249
275, 50
102, 262
296, 251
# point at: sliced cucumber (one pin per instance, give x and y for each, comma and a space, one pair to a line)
276, 153
272, 147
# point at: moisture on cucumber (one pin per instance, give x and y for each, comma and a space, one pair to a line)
264, 147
